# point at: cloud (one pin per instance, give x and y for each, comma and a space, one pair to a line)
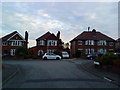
42, 13
69, 18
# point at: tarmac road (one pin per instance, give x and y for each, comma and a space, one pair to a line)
53, 74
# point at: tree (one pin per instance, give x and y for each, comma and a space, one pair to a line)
66, 45
21, 51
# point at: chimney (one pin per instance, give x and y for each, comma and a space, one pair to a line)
58, 35
26, 38
93, 30
88, 29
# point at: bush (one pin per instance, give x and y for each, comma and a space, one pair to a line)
57, 53
78, 53
107, 59
21, 51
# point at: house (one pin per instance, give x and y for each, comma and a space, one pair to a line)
47, 43
117, 48
92, 41
11, 41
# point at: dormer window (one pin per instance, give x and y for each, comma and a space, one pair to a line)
89, 42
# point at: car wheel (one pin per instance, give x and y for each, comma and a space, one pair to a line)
58, 58
45, 58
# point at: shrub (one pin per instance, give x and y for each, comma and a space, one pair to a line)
57, 53
78, 53
107, 59
21, 51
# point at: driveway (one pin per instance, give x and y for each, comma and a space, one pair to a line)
53, 74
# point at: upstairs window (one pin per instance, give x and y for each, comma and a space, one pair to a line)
80, 42
16, 43
4, 44
52, 43
41, 43
102, 43
111, 44
89, 42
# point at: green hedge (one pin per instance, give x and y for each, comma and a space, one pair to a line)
107, 59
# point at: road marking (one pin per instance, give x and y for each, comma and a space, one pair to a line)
108, 79
13, 74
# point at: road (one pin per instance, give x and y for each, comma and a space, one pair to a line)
53, 74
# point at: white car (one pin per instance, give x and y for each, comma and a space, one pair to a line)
65, 55
51, 56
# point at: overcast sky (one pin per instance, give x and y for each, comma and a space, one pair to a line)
70, 18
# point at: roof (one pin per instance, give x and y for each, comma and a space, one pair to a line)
92, 35
7, 37
47, 35
118, 39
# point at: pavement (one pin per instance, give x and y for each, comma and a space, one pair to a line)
8, 72
107, 74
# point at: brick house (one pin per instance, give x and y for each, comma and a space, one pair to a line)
92, 41
11, 41
117, 48
46, 43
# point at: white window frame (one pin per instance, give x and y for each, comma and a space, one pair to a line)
102, 43
53, 43
16, 43
89, 42
41, 43
80, 42
89, 50
102, 50
50, 50
12, 52
39, 52
4, 43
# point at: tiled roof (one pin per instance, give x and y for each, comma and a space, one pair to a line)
92, 35
118, 39
5, 38
47, 35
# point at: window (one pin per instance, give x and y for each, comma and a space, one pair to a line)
80, 49
52, 43
40, 52
111, 43
79, 42
102, 42
41, 42
50, 50
4, 44
102, 50
12, 52
89, 51
89, 42
16, 43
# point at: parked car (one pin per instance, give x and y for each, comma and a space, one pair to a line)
51, 56
117, 54
65, 55
93, 55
